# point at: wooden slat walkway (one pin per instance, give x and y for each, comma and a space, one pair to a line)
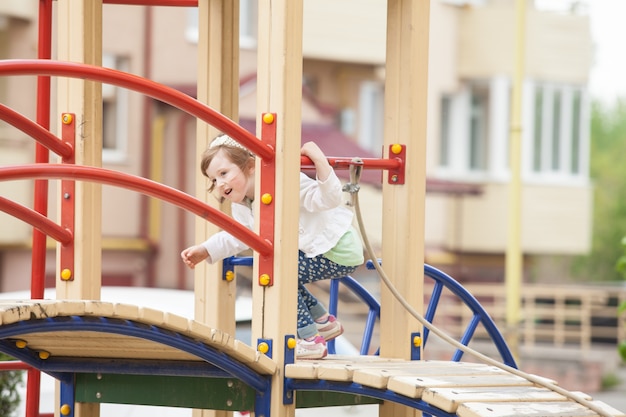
94, 344
467, 389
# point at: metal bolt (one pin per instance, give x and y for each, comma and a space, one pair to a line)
66, 196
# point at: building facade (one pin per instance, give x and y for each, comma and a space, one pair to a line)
471, 72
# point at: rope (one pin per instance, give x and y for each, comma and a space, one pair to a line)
385, 279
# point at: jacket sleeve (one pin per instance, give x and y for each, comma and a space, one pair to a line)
222, 244
316, 195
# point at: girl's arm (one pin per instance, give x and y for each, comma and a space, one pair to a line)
315, 154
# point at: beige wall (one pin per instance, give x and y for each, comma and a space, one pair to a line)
345, 30
558, 47
554, 220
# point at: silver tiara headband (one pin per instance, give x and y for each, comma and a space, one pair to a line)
225, 140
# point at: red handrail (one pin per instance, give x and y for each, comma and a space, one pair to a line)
36, 131
143, 185
37, 220
142, 85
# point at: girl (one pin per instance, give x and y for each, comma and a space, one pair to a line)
329, 246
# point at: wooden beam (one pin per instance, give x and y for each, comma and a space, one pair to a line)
406, 87
279, 91
218, 86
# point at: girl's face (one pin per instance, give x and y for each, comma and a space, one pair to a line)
230, 181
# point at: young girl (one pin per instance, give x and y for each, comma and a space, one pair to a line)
329, 246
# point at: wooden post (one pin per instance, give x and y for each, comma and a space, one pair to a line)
279, 90
406, 89
218, 86
80, 40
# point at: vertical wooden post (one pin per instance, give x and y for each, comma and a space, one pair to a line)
406, 89
279, 91
218, 86
80, 40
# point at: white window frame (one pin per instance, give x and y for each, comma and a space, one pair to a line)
554, 171
557, 168
371, 115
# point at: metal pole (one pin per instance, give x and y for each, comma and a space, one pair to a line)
513, 273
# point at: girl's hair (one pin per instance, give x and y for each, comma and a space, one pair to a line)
237, 154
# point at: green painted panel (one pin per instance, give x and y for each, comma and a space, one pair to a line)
172, 391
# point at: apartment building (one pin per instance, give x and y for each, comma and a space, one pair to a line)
472, 47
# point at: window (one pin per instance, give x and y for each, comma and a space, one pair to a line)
557, 134
446, 120
115, 103
248, 17
475, 131
371, 115
479, 142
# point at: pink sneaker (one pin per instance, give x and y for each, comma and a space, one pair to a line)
313, 349
330, 329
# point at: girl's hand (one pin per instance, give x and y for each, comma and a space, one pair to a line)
315, 154
194, 255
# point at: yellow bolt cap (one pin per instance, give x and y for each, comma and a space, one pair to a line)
417, 341
263, 347
266, 198
264, 279
268, 118
20, 344
66, 410
44, 355
230, 275
291, 343
396, 148
66, 274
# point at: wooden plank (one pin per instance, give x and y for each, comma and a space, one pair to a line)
308, 369
535, 409
413, 386
378, 378
448, 399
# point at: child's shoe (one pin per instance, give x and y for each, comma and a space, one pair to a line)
330, 329
311, 349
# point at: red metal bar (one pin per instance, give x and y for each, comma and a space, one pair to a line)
37, 220
142, 185
36, 131
68, 200
345, 163
40, 204
179, 3
14, 366
267, 196
142, 85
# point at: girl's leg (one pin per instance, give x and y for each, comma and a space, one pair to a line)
311, 270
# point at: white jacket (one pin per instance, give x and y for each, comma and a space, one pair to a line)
323, 220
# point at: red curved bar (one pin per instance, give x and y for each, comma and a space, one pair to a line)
142, 85
178, 3
41, 135
142, 185
345, 163
37, 220
14, 366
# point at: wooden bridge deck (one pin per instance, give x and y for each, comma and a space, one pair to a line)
465, 389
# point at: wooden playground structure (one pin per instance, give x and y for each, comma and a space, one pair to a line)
108, 352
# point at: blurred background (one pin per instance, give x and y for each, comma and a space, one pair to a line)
573, 133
